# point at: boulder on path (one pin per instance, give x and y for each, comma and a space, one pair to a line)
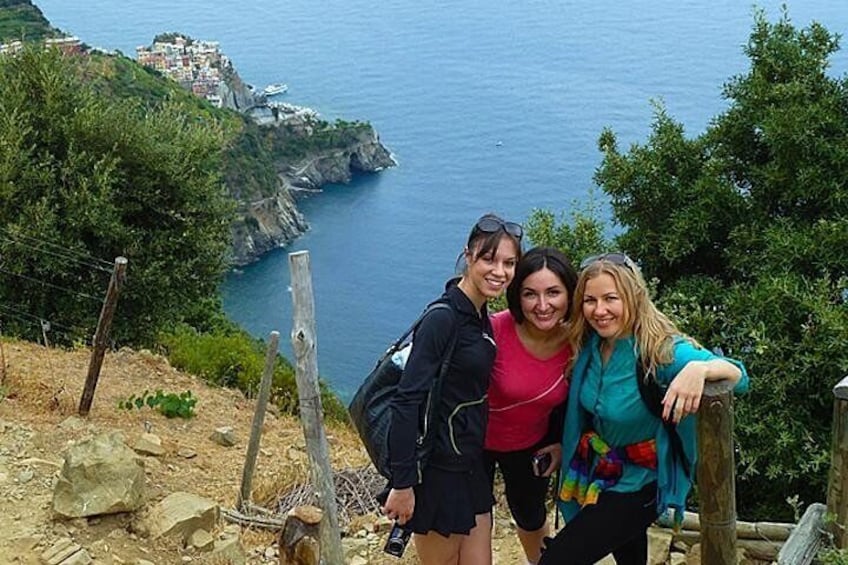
182, 513
101, 475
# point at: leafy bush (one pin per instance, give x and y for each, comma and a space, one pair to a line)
742, 231
235, 359
170, 404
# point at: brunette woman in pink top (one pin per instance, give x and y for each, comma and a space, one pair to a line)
528, 388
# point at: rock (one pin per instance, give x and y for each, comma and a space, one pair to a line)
202, 540
100, 476
72, 423
149, 444
381, 524
228, 550
358, 560
693, 556
659, 543
25, 476
59, 551
224, 436
182, 513
81, 557
677, 558
186, 453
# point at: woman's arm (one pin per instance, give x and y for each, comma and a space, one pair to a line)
683, 396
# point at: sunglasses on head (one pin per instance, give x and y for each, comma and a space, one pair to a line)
616, 258
491, 225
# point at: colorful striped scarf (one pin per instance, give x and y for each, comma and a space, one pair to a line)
583, 484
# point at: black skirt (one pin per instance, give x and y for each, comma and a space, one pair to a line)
448, 502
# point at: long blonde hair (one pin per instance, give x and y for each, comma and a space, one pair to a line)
652, 330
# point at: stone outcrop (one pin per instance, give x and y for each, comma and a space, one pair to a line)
274, 221
266, 224
235, 94
101, 475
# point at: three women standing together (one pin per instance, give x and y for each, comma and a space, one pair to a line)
587, 338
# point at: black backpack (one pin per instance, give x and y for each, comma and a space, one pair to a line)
652, 395
370, 409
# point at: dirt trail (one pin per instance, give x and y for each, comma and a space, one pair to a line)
38, 401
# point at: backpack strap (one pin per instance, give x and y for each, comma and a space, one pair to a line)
652, 395
431, 409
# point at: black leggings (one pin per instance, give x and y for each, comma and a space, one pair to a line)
526, 493
617, 524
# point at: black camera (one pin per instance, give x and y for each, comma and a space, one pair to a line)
541, 461
398, 538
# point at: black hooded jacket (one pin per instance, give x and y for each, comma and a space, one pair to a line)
463, 407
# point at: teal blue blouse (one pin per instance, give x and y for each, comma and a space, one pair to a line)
607, 397
611, 395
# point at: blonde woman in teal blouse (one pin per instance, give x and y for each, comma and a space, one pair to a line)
619, 473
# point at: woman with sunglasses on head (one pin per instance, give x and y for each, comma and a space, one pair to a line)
448, 507
528, 388
620, 467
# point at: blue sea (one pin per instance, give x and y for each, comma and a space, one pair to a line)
487, 106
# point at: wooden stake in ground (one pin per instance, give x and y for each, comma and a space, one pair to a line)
716, 475
311, 411
837, 487
258, 419
101, 335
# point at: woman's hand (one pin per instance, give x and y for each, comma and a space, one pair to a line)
555, 449
683, 396
399, 505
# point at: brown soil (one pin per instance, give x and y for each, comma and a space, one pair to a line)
39, 394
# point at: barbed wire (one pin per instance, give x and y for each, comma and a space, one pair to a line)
44, 325
51, 285
21, 314
60, 251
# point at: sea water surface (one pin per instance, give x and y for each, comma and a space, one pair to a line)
487, 106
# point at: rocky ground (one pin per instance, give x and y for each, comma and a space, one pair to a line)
39, 394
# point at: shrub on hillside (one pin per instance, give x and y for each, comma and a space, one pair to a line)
235, 359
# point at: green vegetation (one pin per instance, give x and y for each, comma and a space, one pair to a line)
102, 157
20, 20
84, 175
169, 404
744, 230
234, 359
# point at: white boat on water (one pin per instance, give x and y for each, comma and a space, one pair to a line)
273, 89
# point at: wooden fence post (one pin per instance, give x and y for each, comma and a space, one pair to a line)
837, 485
101, 335
717, 474
311, 411
258, 419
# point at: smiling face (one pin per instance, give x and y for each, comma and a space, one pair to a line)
489, 274
604, 308
544, 300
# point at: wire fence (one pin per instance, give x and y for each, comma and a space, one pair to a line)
49, 292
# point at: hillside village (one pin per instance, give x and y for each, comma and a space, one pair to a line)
197, 65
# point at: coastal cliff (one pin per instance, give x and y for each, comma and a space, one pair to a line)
307, 154
276, 149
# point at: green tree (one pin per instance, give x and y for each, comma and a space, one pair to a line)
745, 229
85, 175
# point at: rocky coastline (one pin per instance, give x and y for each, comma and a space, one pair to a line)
308, 152
274, 221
